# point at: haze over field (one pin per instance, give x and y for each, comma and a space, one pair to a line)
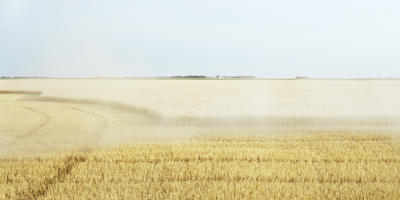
231, 98
113, 100
117, 111
85, 144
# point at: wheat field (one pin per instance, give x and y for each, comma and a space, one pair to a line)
166, 139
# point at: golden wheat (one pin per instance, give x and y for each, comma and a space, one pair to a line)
64, 148
304, 166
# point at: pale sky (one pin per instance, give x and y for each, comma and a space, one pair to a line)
271, 39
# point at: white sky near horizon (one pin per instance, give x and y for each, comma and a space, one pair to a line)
271, 39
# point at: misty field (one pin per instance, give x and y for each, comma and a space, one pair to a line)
199, 139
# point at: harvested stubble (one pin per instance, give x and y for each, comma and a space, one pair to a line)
308, 166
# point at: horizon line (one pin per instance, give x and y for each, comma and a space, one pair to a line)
200, 77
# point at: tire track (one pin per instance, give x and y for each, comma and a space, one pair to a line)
70, 162
35, 192
101, 122
42, 123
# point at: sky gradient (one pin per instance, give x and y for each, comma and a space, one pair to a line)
270, 39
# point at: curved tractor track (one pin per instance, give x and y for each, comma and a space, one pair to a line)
46, 118
61, 123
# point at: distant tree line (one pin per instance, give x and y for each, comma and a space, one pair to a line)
189, 76
212, 77
234, 77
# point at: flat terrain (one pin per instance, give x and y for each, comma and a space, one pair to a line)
164, 140
342, 166
231, 98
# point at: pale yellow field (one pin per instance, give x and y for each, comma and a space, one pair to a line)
199, 139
